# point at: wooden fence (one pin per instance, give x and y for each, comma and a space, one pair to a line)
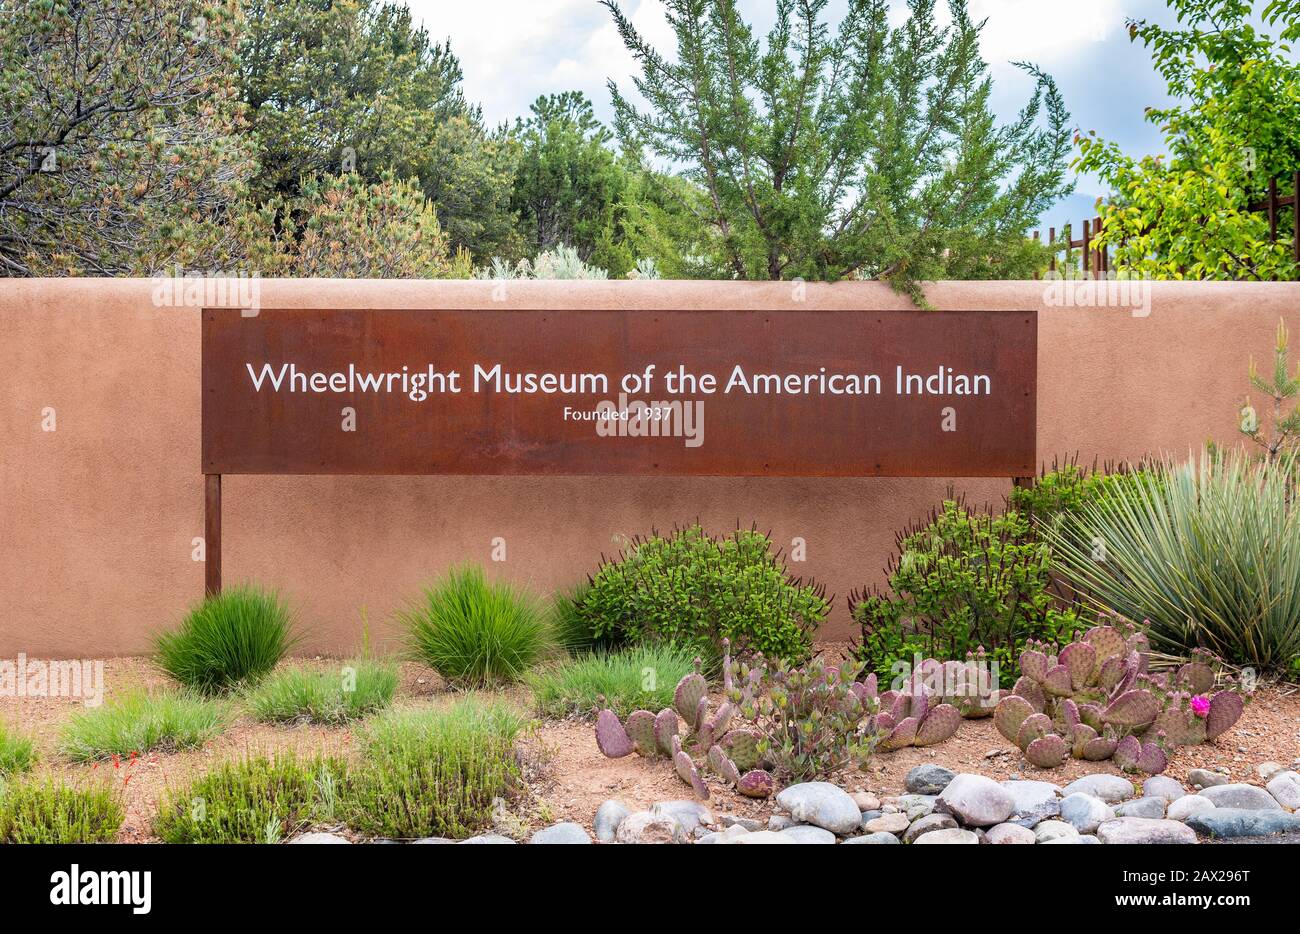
1096, 261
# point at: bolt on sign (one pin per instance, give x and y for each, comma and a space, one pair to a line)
730, 393
595, 391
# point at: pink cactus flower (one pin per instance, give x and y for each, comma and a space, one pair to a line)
1201, 705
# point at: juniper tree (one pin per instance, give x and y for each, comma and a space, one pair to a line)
860, 150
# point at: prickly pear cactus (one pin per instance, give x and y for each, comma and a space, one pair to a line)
611, 737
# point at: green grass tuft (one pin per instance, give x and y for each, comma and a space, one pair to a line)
233, 638
140, 723
641, 678
476, 633
355, 690
257, 800
433, 773
42, 812
17, 752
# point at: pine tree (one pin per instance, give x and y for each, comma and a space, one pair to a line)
863, 151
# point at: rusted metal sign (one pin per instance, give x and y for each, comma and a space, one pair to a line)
597, 391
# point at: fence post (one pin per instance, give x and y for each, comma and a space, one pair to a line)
1295, 215
1051, 235
1085, 260
1272, 210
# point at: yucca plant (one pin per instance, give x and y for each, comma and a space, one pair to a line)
233, 638
1207, 551
474, 632
139, 723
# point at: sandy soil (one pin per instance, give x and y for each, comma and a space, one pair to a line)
569, 777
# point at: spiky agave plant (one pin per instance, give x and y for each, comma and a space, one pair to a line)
1206, 551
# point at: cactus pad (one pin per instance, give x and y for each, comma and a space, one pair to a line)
1034, 664
741, 746
940, 724
686, 698
1081, 660
1225, 710
1035, 726
611, 737
1028, 689
902, 735
1047, 752
1126, 753
1058, 683
1011, 712
640, 728
1197, 677
1132, 709
1107, 641
722, 766
756, 783
665, 730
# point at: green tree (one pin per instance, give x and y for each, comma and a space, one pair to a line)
569, 185
864, 151
120, 140
346, 227
1234, 125
351, 85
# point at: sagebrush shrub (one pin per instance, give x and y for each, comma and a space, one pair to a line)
963, 579
356, 689
140, 723
43, 812
694, 590
232, 638
433, 773
255, 800
475, 632
637, 678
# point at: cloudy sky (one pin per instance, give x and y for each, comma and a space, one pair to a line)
514, 50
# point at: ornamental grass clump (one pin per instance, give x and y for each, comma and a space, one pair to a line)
139, 723
233, 638
434, 773
354, 690
1206, 552
17, 752
643, 676
43, 812
692, 589
474, 632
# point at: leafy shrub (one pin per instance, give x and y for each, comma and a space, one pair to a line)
963, 579
235, 637
693, 590
636, 678
42, 812
1207, 554
473, 632
810, 719
139, 723
356, 690
1063, 490
572, 629
17, 752
432, 773
256, 800
563, 262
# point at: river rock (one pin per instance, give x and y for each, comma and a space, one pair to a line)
1109, 788
1085, 812
1032, 801
1236, 822
805, 833
976, 801
928, 779
1266, 770
888, 823
953, 835
1285, 788
1009, 833
1078, 839
1150, 808
1141, 830
566, 832
319, 838
760, 838
1050, 830
489, 839
1188, 805
928, 824
647, 827
1204, 778
865, 801
821, 804
1162, 786
608, 816
690, 815
883, 838
1241, 796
